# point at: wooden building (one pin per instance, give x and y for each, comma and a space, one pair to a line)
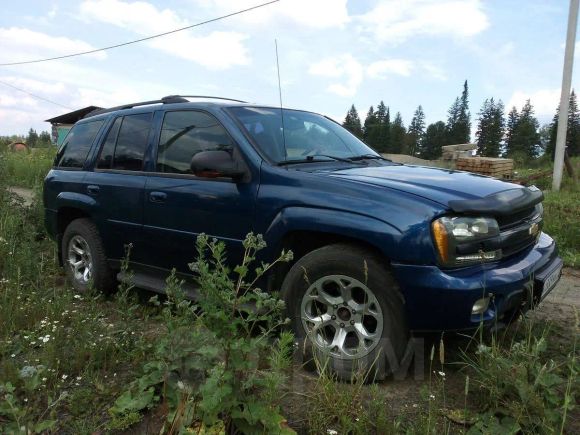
62, 124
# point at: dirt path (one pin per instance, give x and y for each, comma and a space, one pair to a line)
27, 195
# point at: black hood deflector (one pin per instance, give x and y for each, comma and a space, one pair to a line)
501, 203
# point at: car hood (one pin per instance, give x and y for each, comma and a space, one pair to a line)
460, 191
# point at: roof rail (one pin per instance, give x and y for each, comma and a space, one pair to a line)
208, 96
170, 99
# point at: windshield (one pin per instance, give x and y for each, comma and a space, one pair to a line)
306, 135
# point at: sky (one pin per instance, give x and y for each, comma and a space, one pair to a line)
332, 53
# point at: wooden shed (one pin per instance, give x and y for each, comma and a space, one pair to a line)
62, 124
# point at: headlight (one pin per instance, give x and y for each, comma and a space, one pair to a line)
462, 241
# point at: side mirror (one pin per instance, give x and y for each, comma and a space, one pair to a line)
215, 164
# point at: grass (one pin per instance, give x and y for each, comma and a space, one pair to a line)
66, 359
27, 169
562, 211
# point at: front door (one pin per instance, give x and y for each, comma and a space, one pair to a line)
179, 206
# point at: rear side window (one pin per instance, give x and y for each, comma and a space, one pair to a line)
76, 146
132, 142
125, 144
184, 134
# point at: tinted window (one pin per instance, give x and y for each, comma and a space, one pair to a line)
76, 146
183, 135
132, 142
106, 156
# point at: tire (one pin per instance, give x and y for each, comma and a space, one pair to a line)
81, 243
346, 312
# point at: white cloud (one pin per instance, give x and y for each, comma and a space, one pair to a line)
348, 73
545, 101
216, 50
395, 21
319, 14
344, 67
21, 44
382, 68
433, 71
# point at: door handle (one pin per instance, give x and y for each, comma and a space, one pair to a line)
93, 190
158, 197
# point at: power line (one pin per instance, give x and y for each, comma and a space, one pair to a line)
35, 96
142, 39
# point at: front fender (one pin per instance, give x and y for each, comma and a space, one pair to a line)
375, 232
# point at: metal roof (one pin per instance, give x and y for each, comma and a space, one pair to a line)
72, 117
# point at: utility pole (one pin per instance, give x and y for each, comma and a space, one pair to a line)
565, 96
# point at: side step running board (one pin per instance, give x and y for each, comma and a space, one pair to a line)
154, 283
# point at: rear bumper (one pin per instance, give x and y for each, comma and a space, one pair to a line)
439, 299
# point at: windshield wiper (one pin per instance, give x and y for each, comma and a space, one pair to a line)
312, 159
369, 157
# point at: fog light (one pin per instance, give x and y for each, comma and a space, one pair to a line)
480, 306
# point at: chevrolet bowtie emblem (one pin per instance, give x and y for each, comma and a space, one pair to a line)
534, 229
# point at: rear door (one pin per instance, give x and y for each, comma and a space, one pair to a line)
179, 206
117, 184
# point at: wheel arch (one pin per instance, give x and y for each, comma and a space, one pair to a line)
303, 230
71, 206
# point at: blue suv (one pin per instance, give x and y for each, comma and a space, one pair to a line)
380, 249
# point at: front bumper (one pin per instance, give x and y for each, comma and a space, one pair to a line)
438, 299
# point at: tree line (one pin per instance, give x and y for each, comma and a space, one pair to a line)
517, 135
32, 139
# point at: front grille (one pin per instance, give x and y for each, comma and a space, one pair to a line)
515, 219
518, 236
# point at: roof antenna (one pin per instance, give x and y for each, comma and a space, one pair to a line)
280, 94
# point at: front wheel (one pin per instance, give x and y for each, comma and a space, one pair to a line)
346, 311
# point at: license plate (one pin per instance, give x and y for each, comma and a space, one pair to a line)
551, 280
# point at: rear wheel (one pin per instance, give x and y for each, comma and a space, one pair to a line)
84, 258
346, 311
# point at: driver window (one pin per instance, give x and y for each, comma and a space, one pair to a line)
186, 133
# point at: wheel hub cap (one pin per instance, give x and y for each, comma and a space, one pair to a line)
79, 259
342, 316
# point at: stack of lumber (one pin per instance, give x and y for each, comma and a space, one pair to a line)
493, 167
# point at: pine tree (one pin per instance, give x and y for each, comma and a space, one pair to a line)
490, 128
386, 131
459, 119
352, 122
573, 134
32, 139
573, 129
398, 133
435, 138
370, 123
551, 147
525, 139
44, 139
382, 132
512, 123
416, 132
